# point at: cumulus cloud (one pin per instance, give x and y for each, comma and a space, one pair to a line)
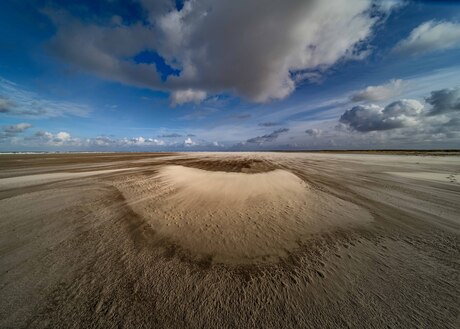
444, 101
45, 138
255, 49
379, 93
103, 141
430, 36
62, 136
16, 101
314, 132
407, 107
187, 96
364, 118
141, 141
267, 138
407, 121
188, 142
115, 143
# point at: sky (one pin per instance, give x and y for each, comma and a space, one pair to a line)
240, 75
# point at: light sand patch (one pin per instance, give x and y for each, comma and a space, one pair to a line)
31, 180
429, 176
237, 217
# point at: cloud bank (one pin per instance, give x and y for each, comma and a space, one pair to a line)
439, 118
372, 117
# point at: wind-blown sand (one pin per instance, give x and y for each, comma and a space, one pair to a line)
232, 240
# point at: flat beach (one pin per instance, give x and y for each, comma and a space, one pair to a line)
229, 240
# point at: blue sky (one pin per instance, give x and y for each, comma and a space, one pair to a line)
144, 75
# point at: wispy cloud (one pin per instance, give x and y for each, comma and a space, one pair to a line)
17, 101
13, 130
268, 137
199, 114
269, 124
428, 37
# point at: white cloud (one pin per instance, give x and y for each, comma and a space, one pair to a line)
379, 93
63, 136
45, 138
140, 141
186, 96
430, 36
314, 132
255, 49
188, 142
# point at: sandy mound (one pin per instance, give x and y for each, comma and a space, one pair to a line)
236, 217
230, 188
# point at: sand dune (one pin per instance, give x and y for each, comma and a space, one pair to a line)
237, 217
231, 240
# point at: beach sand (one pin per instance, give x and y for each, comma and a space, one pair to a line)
229, 240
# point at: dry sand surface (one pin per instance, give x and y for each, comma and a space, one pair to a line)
229, 240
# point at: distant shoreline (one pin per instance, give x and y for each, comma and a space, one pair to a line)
440, 152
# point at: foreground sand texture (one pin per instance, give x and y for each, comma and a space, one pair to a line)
229, 240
